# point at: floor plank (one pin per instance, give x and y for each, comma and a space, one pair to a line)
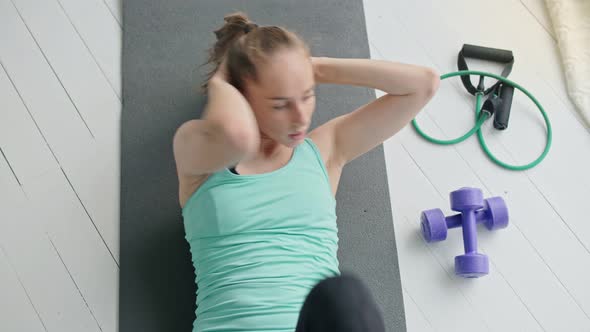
116, 9
18, 313
66, 132
102, 35
84, 255
27, 246
416, 320
24, 146
68, 55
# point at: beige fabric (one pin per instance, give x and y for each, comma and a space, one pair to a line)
571, 23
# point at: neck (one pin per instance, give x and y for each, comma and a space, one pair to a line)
270, 149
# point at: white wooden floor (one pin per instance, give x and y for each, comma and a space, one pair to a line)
60, 90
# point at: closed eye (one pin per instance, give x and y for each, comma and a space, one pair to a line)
279, 107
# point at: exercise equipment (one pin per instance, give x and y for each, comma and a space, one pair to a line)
492, 212
498, 104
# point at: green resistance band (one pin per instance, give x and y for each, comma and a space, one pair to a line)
481, 117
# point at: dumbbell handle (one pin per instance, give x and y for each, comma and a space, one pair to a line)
469, 231
456, 220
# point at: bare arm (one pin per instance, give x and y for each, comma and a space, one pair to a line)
409, 88
226, 133
392, 77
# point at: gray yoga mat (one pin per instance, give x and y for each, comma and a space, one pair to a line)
164, 42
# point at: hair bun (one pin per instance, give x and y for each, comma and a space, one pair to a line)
237, 17
250, 26
235, 23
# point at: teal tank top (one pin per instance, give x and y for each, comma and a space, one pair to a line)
261, 242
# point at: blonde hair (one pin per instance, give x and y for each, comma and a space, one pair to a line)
245, 45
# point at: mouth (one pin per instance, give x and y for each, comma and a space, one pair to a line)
297, 135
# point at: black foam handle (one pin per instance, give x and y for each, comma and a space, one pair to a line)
487, 53
503, 112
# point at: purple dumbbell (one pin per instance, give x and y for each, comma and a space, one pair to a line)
474, 209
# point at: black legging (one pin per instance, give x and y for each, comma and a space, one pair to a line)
342, 303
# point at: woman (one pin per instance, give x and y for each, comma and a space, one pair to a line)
263, 233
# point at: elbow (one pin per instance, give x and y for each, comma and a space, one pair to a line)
432, 82
430, 85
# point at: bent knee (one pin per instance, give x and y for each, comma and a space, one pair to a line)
342, 291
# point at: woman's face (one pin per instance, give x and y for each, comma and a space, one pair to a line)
283, 100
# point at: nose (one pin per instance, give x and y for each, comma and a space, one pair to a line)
299, 114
